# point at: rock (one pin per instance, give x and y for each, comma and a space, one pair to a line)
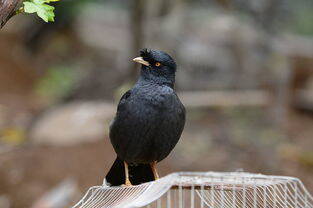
73, 123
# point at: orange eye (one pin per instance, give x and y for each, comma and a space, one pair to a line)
157, 64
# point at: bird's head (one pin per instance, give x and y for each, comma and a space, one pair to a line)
157, 65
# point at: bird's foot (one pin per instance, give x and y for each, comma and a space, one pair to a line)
128, 183
154, 170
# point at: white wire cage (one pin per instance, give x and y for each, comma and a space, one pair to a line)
210, 189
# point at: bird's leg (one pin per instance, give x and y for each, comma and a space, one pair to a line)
127, 181
154, 170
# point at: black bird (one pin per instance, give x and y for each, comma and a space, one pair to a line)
149, 121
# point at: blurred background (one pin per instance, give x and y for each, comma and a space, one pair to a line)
245, 75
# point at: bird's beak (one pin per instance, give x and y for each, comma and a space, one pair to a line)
141, 61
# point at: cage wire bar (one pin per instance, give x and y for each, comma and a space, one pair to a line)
200, 190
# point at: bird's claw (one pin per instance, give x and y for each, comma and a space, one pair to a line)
128, 183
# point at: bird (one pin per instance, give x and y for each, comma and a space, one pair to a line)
149, 121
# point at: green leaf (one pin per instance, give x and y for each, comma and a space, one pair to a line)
30, 7
38, 1
43, 10
48, 1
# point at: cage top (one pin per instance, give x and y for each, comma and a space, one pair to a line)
241, 186
229, 178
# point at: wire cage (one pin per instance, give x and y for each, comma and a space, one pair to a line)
210, 189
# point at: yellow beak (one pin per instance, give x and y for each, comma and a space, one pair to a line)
141, 61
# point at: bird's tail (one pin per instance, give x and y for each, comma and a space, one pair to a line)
137, 173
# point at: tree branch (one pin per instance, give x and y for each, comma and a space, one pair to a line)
7, 10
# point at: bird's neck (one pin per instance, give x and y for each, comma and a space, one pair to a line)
146, 78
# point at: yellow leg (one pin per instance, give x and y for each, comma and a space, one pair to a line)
154, 170
127, 181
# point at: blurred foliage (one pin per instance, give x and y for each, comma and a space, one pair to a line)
302, 21
12, 136
69, 8
56, 83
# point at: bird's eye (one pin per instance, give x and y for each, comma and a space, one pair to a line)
157, 64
